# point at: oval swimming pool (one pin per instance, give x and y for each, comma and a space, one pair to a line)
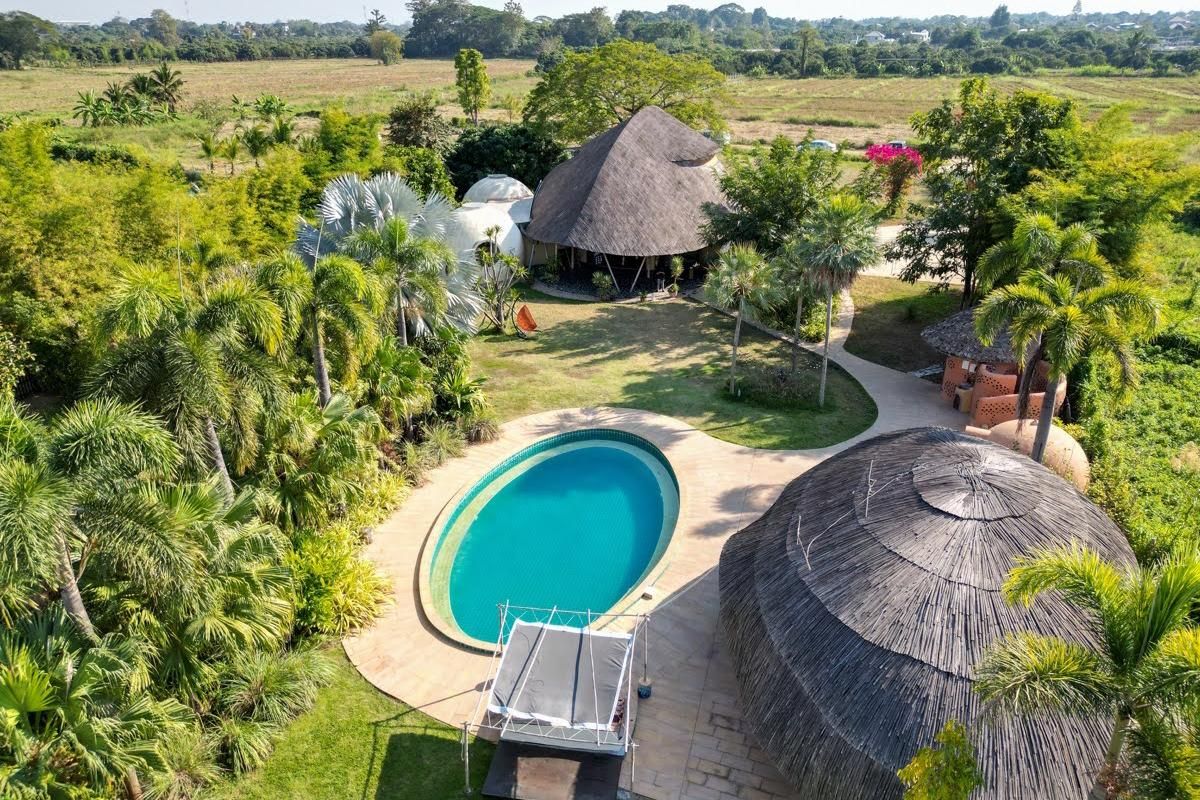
576, 521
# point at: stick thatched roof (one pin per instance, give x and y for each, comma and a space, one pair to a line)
955, 336
638, 189
857, 606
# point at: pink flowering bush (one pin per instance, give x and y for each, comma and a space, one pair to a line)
899, 166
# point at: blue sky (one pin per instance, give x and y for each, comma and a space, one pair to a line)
269, 10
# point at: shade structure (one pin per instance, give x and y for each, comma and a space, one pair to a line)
955, 336
638, 189
856, 608
563, 686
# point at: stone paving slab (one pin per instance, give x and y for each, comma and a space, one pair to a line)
691, 740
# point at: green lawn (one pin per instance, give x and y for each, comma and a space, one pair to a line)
889, 315
670, 358
359, 744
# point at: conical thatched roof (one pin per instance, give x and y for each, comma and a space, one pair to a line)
955, 336
856, 607
638, 189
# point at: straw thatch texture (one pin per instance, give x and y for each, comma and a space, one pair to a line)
955, 336
856, 607
638, 189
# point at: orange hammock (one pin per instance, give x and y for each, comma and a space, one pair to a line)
525, 322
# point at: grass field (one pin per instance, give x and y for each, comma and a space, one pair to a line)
359, 744
841, 109
889, 315
670, 358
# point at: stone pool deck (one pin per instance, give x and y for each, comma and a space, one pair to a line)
691, 740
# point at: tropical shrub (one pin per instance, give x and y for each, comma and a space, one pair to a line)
519, 151
603, 284
900, 166
15, 360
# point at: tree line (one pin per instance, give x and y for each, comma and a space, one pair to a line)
734, 40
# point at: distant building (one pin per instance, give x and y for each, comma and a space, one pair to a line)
874, 37
1179, 24
1129, 26
920, 36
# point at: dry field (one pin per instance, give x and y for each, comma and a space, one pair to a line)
858, 111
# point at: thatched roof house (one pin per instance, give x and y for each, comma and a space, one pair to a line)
955, 336
857, 606
638, 189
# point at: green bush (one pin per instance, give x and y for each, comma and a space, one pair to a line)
15, 359
443, 442
604, 285
104, 154
481, 426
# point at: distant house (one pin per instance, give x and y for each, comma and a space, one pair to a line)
1179, 24
874, 37
920, 36
1129, 26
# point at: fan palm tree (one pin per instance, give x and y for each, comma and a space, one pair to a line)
197, 361
1063, 323
75, 712
62, 488
210, 148
740, 276
168, 85
352, 216
1147, 655
836, 242
257, 142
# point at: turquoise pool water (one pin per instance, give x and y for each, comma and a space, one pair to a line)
574, 522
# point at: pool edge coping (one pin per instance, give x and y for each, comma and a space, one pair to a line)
459, 638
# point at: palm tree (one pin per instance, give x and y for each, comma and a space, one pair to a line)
1037, 243
1063, 323
396, 383
1146, 660
352, 216
76, 712
231, 148
142, 84
792, 271
210, 148
62, 490
739, 277
836, 242
282, 131
256, 142
197, 361
168, 85
413, 268
337, 300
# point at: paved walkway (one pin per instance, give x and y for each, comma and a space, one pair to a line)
692, 744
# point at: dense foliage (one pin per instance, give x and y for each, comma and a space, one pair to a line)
519, 151
232, 405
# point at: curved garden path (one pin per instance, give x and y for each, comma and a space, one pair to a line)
691, 743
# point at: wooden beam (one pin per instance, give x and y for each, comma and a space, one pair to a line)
616, 285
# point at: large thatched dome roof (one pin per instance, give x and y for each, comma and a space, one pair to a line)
856, 607
638, 189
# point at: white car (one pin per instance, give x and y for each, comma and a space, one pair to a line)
898, 143
823, 144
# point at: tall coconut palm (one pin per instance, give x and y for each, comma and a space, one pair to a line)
413, 269
1146, 660
62, 493
76, 713
337, 300
836, 242
199, 362
1037, 243
1062, 324
741, 276
432, 244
